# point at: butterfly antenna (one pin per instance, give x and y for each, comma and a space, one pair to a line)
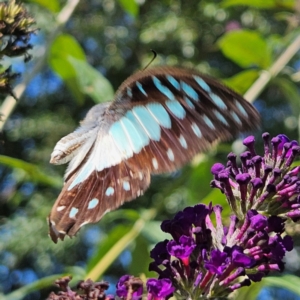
150, 62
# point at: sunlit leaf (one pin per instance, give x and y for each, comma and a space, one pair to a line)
140, 263
91, 82
130, 6
242, 81
62, 48
249, 292
246, 48
259, 4
52, 5
154, 233
34, 172
289, 282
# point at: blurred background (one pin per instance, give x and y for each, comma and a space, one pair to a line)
80, 61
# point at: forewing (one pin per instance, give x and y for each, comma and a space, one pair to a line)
171, 114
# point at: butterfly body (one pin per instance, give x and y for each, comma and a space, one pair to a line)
159, 120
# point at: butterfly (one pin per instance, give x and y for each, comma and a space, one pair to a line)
160, 118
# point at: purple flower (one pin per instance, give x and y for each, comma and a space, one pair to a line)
159, 289
268, 182
129, 287
159, 253
183, 249
217, 263
209, 259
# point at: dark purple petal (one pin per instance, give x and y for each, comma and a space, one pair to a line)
160, 288
183, 249
256, 277
159, 253
217, 262
240, 259
288, 243
258, 222
122, 288
127, 282
275, 224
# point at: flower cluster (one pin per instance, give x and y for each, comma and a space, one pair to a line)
128, 288
15, 31
267, 183
87, 290
206, 259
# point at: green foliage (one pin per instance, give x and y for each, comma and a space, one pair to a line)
91, 82
246, 48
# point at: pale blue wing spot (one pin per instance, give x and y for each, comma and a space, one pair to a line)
189, 102
137, 141
73, 212
189, 91
183, 142
170, 154
126, 186
148, 122
236, 117
176, 108
196, 130
220, 117
82, 175
129, 92
218, 101
138, 126
155, 163
241, 108
208, 122
173, 81
160, 114
109, 191
93, 203
202, 83
120, 138
163, 89
140, 87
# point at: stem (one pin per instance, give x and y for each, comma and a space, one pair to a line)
266, 76
9, 103
120, 246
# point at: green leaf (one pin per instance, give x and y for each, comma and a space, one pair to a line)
130, 6
246, 48
289, 282
259, 4
31, 170
91, 82
153, 233
141, 261
61, 49
242, 81
52, 5
249, 292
